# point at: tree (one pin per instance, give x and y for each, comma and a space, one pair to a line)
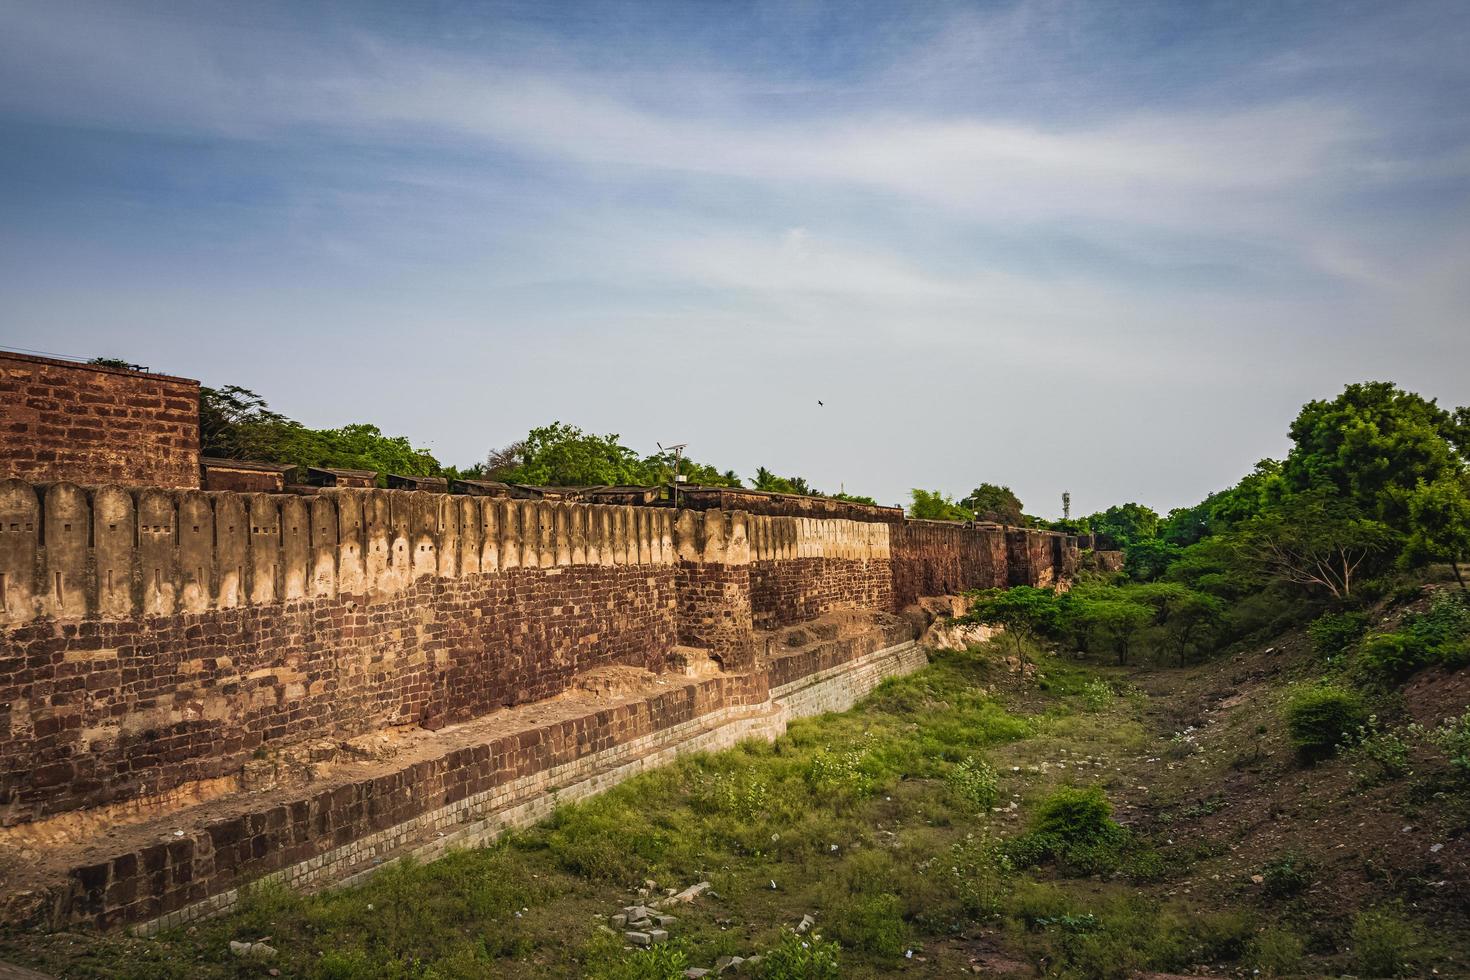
1117, 622
765, 480
989, 502
1372, 446
1024, 612
499, 462
564, 455
1439, 523
1149, 559
1185, 617
236, 423
1315, 540
1124, 524
931, 505
1256, 492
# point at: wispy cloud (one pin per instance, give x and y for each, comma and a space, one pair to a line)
1116, 196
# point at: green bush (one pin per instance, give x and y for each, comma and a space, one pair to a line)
974, 782
1334, 634
1384, 945
665, 961
1320, 718
1075, 815
801, 958
1378, 755
1288, 875
1276, 952
976, 875
1440, 635
1097, 694
1453, 739
1395, 654
1073, 827
872, 922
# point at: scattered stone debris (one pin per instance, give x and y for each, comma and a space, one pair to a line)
694, 891
260, 950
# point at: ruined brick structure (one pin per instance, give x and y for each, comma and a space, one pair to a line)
61, 420
160, 648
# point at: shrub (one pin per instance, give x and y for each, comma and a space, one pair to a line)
975, 783
1334, 634
1394, 654
1319, 718
1439, 636
738, 794
871, 922
1287, 875
801, 958
1378, 755
843, 773
1075, 815
1453, 739
665, 961
1075, 828
1384, 945
1097, 694
1276, 952
976, 876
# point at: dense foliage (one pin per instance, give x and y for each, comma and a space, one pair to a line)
1376, 480
236, 423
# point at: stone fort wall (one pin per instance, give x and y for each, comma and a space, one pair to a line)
60, 420
153, 641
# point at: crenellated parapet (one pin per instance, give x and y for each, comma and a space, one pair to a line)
71, 552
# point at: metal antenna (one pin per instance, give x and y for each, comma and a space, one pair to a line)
678, 451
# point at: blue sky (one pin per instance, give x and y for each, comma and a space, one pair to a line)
1105, 247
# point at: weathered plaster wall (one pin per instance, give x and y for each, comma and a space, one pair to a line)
61, 420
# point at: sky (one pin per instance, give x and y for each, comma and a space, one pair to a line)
1101, 247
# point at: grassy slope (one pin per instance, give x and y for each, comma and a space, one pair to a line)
916, 864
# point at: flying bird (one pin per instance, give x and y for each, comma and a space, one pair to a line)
819, 402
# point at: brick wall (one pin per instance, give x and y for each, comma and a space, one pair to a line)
166, 877
102, 711
715, 611
157, 638
785, 592
68, 421
154, 638
932, 558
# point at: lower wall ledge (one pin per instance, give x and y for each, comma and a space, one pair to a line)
522, 802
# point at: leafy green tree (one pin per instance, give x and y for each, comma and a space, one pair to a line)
358, 447
1124, 524
1257, 491
1149, 559
1117, 623
1439, 522
1372, 446
1024, 612
1317, 541
564, 455
990, 502
236, 423
932, 505
1185, 618
765, 480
